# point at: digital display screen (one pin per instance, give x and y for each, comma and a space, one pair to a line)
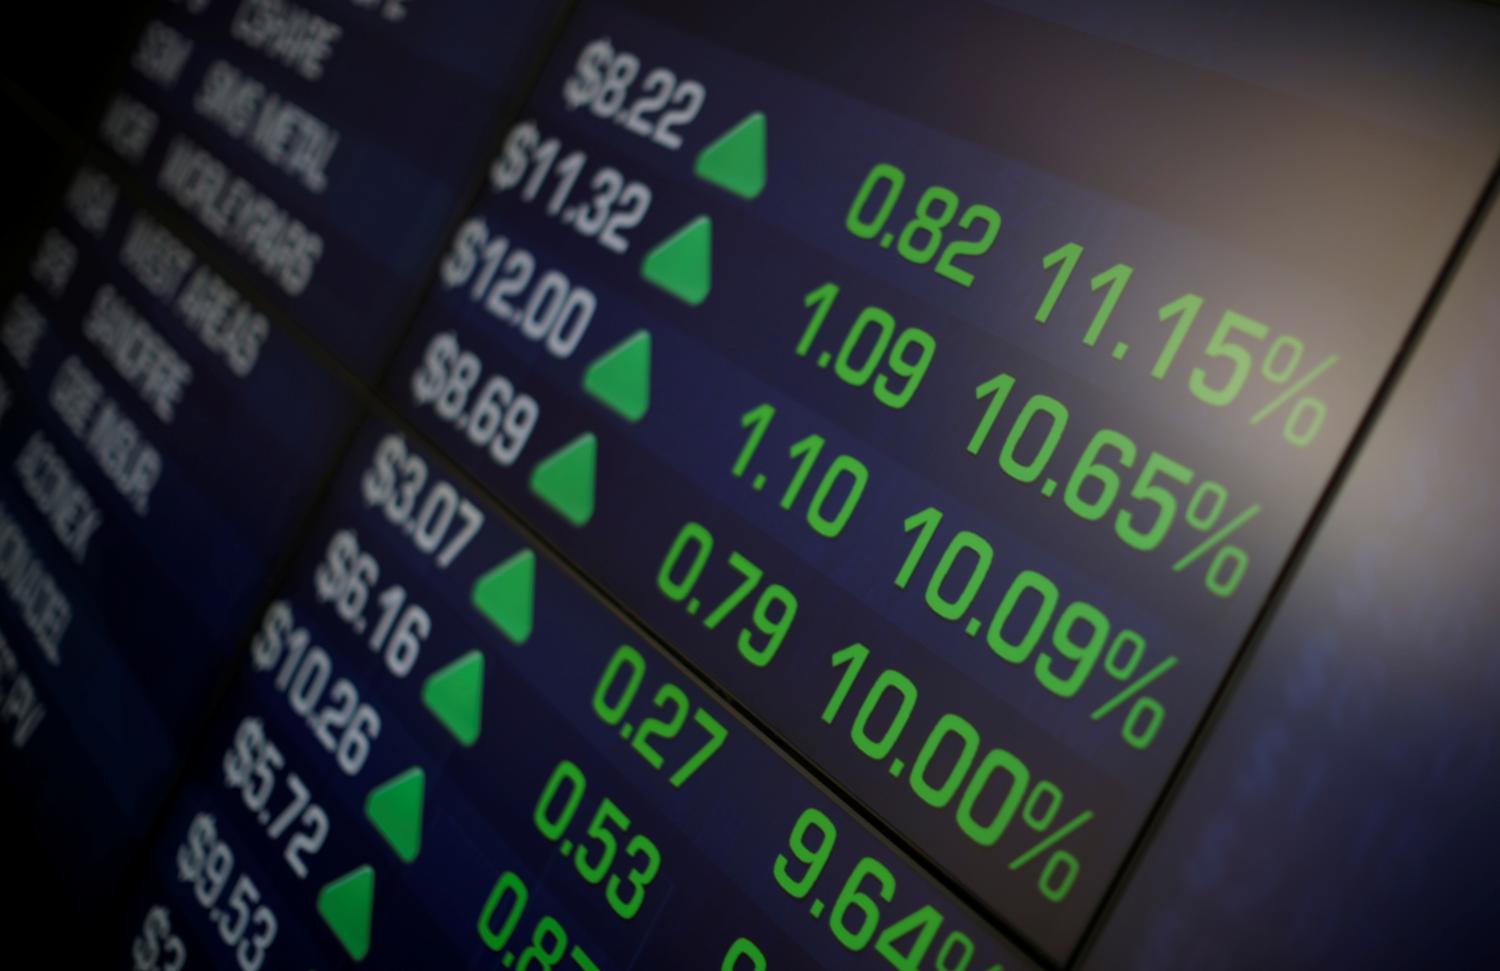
651, 484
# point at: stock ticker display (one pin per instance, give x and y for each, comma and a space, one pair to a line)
657, 484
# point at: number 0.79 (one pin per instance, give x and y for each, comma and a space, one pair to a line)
774, 610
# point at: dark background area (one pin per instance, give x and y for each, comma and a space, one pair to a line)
57, 61
57, 64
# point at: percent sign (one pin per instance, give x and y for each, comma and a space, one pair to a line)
1144, 719
1304, 418
1227, 567
1039, 812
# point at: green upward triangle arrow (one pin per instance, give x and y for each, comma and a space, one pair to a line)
505, 595
736, 160
682, 264
455, 696
345, 905
564, 480
621, 377
394, 808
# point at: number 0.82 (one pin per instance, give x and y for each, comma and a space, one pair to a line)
922, 236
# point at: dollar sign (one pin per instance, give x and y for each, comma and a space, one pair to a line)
188, 863
429, 382
144, 951
252, 740
158, 929
265, 649
234, 764
514, 157
190, 856
243, 754
584, 85
379, 478
332, 574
